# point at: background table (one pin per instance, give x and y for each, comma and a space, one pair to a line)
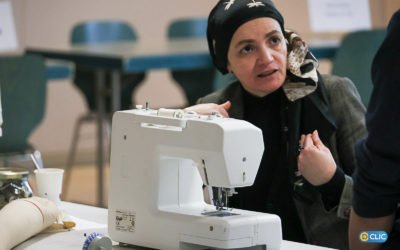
58, 69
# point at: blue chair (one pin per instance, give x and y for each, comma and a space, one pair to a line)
95, 32
23, 96
354, 57
197, 82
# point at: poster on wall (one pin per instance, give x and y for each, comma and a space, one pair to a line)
8, 38
339, 15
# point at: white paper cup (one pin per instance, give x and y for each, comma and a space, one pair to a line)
49, 183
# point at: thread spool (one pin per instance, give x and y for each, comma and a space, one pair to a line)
96, 241
172, 113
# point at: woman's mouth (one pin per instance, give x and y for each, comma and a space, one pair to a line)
267, 73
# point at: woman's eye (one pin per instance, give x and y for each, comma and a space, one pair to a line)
275, 40
247, 49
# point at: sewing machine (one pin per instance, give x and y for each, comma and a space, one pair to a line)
159, 162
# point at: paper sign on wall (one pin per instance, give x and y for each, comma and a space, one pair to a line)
8, 38
339, 15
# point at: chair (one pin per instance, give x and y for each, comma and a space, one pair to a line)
94, 32
197, 82
23, 96
354, 57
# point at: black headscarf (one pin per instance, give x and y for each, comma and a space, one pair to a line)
226, 17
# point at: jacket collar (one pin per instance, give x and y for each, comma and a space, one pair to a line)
234, 94
320, 100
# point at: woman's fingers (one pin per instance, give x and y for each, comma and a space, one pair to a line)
210, 108
308, 142
223, 108
226, 105
223, 113
311, 139
317, 141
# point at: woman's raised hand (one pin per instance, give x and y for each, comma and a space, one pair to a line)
209, 108
315, 161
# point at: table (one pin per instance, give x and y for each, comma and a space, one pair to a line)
324, 48
117, 57
57, 69
70, 239
98, 217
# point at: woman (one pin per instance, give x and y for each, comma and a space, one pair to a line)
280, 90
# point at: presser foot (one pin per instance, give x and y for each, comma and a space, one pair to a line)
220, 197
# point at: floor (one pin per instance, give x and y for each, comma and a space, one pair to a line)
83, 185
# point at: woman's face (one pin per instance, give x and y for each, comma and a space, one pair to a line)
257, 56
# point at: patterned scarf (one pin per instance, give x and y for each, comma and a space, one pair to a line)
302, 77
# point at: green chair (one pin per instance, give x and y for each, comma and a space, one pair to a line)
195, 82
23, 96
354, 57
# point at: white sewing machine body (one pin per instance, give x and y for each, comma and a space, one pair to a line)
158, 167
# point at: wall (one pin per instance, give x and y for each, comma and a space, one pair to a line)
48, 22
390, 7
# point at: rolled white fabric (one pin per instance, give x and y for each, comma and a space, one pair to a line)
23, 218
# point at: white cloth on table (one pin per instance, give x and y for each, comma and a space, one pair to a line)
23, 218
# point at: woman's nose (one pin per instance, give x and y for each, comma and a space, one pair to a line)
265, 56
